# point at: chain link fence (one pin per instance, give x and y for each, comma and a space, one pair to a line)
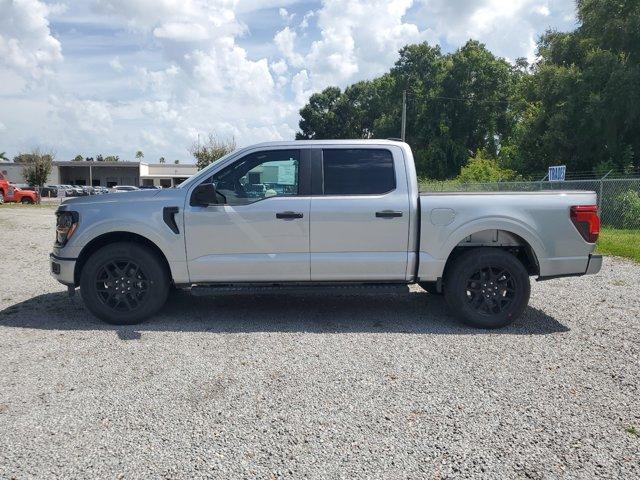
618, 199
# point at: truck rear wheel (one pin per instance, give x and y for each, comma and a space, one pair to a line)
124, 283
487, 287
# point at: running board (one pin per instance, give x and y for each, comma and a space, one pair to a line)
301, 289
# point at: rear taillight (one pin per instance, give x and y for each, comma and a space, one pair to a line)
586, 220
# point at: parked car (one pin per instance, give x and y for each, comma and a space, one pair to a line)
349, 216
100, 190
124, 188
79, 190
49, 191
11, 193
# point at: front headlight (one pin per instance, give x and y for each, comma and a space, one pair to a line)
66, 225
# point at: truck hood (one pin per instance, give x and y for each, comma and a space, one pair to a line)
124, 197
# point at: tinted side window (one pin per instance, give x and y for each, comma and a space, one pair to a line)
358, 171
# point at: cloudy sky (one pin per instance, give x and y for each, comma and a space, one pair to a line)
116, 76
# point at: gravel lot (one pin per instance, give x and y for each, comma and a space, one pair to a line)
302, 387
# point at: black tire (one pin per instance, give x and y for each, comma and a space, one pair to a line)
487, 287
124, 283
26, 201
430, 287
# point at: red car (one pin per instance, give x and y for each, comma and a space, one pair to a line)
11, 193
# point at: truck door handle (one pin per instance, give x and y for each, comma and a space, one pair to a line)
388, 214
289, 215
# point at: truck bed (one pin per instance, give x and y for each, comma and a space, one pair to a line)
538, 220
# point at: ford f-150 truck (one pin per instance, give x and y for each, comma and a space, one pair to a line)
321, 215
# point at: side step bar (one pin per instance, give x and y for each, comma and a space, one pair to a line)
300, 289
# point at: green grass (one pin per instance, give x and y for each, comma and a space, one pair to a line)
622, 243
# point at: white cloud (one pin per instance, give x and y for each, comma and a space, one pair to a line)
116, 65
156, 80
88, 116
305, 19
181, 32
285, 15
285, 40
358, 39
26, 43
508, 28
156, 139
225, 68
279, 67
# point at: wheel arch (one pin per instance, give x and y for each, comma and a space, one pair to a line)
497, 238
114, 237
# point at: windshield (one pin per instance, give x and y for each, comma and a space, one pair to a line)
189, 180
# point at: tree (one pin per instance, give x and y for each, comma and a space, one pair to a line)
176, 162
37, 166
577, 105
161, 160
483, 168
212, 149
99, 158
457, 104
77, 158
3, 157
112, 158
139, 155
582, 101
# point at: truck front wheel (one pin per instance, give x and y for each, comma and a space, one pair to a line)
487, 287
124, 283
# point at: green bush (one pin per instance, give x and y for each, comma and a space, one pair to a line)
483, 168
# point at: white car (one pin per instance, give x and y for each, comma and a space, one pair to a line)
336, 215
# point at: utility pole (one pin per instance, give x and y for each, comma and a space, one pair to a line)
404, 115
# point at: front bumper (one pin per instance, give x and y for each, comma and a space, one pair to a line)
63, 269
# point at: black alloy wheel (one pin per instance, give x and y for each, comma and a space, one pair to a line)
123, 283
487, 287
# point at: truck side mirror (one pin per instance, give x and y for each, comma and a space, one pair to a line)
204, 195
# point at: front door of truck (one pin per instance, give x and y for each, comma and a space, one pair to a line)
360, 214
260, 230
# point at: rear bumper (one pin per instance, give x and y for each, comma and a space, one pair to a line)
594, 264
62, 269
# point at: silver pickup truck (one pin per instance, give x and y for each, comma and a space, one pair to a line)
321, 215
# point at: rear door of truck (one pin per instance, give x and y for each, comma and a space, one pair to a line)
359, 214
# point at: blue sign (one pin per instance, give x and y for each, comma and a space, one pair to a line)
557, 173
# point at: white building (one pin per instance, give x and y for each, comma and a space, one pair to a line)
165, 175
107, 174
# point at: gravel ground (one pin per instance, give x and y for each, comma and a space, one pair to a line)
302, 387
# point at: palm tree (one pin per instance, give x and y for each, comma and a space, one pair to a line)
3, 157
